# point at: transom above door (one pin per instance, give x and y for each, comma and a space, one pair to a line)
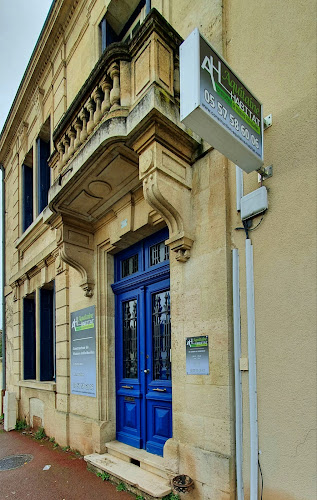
143, 345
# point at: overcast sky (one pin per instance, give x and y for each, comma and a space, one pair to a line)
21, 22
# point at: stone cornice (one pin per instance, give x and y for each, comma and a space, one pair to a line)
32, 233
34, 266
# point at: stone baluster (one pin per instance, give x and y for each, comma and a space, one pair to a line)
114, 73
91, 108
97, 95
72, 135
78, 128
84, 117
66, 143
125, 84
106, 87
60, 149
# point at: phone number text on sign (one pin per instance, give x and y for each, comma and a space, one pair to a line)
227, 118
80, 386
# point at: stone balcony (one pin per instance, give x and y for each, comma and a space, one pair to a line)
132, 92
122, 132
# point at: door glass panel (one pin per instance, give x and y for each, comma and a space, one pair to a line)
158, 253
130, 266
130, 339
161, 325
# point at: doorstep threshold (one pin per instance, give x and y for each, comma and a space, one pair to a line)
132, 475
135, 453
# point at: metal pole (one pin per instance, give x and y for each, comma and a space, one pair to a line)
254, 444
237, 372
239, 187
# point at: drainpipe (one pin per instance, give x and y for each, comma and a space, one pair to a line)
147, 6
3, 285
253, 407
237, 347
237, 372
254, 444
239, 187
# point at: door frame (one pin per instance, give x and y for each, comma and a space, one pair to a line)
136, 285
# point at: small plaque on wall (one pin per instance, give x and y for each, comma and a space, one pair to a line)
197, 355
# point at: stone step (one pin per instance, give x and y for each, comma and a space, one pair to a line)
136, 478
147, 461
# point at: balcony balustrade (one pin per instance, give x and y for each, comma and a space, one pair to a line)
123, 131
119, 81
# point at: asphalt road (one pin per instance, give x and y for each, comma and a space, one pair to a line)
66, 479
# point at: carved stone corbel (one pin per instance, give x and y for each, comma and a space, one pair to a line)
25, 283
38, 103
23, 138
59, 264
167, 184
76, 249
15, 290
42, 266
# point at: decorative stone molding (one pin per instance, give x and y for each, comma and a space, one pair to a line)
59, 264
25, 281
37, 102
32, 234
23, 137
42, 267
15, 290
76, 249
167, 184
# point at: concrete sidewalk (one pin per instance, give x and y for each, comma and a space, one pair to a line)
66, 479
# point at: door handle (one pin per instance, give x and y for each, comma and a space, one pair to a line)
127, 387
146, 371
159, 390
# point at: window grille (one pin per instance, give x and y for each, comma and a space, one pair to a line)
130, 266
158, 253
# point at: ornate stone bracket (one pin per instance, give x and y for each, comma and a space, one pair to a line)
76, 249
15, 290
167, 184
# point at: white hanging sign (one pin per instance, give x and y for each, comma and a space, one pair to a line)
216, 105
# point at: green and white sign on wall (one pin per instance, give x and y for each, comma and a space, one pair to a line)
216, 105
197, 355
83, 352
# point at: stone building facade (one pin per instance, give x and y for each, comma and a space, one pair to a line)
121, 222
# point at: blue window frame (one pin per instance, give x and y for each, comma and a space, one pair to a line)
108, 34
29, 338
43, 173
27, 196
45, 337
37, 200
47, 334
139, 258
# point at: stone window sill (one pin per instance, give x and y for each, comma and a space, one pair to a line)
35, 384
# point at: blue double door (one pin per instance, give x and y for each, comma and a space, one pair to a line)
143, 354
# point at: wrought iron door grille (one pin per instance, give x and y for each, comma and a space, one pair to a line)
130, 339
161, 324
158, 253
